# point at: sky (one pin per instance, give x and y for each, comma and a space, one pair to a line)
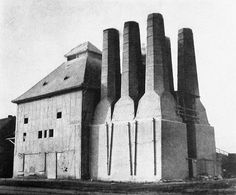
36, 34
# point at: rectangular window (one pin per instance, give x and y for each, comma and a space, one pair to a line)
40, 134
45, 133
24, 137
26, 120
59, 114
50, 132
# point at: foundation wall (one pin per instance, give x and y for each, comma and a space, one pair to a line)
139, 151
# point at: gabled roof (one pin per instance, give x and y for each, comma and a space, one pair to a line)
74, 74
87, 46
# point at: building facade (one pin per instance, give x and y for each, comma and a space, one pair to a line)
53, 118
86, 119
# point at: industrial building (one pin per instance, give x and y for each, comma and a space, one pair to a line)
86, 119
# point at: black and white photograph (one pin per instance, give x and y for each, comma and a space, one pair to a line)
118, 97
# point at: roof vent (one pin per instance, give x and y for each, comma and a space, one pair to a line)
81, 49
45, 83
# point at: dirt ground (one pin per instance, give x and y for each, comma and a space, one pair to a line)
40, 186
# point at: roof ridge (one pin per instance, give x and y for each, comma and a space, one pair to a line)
83, 47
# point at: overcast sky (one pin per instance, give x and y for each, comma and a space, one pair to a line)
35, 35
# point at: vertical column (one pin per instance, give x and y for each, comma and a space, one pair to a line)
168, 66
155, 54
132, 62
187, 71
110, 78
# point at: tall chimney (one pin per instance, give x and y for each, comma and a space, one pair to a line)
132, 78
168, 66
155, 54
187, 71
110, 78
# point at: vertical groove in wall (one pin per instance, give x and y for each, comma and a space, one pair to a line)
135, 147
111, 143
107, 131
45, 162
56, 164
130, 150
154, 145
23, 167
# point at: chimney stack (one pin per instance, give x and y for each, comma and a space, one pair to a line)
110, 77
168, 66
132, 77
155, 58
187, 71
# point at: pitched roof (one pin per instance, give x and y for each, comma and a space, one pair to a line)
68, 76
87, 46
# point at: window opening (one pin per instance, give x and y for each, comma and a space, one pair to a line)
40, 134
50, 132
26, 120
45, 133
66, 77
24, 137
59, 114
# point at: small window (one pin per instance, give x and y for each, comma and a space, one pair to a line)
26, 120
66, 77
24, 137
45, 133
40, 134
59, 114
50, 132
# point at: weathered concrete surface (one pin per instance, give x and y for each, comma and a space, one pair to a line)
206, 150
187, 71
132, 61
110, 76
158, 103
157, 99
142, 150
89, 102
121, 161
155, 54
99, 151
110, 93
148, 146
174, 150
30, 155
201, 139
168, 61
126, 106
